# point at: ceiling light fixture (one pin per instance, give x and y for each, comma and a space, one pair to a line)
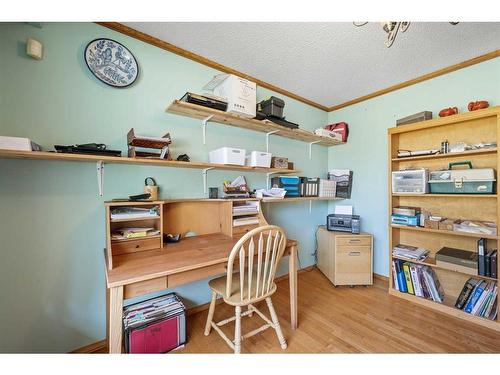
392, 28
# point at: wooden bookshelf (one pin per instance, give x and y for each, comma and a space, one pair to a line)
470, 127
264, 126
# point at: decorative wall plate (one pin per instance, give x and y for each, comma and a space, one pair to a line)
111, 62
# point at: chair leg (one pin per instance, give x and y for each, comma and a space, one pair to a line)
237, 330
210, 316
276, 323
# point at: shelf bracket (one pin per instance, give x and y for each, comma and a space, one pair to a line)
267, 138
310, 148
100, 176
268, 175
204, 126
310, 205
204, 173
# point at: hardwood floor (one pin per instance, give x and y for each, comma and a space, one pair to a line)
347, 320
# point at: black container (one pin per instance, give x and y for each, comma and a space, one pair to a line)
272, 107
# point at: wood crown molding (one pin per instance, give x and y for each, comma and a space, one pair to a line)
121, 28
425, 77
126, 30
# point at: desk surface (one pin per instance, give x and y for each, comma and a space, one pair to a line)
188, 254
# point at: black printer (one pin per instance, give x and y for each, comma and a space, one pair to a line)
343, 223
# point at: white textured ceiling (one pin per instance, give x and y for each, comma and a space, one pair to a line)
330, 63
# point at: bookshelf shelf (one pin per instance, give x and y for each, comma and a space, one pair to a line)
114, 240
481, 126
431, 262
449, 155
146, 218
445, 232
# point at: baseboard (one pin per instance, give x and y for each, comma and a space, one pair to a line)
99, 346
102, 345
380, 277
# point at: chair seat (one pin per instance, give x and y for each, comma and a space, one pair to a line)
218, 285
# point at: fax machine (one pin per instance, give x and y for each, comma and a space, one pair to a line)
343, 223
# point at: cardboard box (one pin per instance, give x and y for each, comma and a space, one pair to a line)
432, 224
18, 144
240, 93
446, 224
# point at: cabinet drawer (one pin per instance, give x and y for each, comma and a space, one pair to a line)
144, 287
354, 241
197, 274
133, 246
243, 229
353, 259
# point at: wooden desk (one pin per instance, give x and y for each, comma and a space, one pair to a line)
190, 259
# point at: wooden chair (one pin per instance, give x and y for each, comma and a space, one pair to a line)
257, 284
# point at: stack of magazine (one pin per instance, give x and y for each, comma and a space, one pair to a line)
410, 252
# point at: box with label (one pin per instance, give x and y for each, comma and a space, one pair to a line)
240, 93
259, 159
447, 224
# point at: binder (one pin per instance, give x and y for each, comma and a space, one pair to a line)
409, 285
481, 264
493, 264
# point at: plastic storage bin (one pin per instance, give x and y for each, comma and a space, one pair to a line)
463, 181
259, 159
227, 155
309, 187
410, 181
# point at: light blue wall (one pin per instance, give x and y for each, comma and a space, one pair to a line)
52, 220
366, 151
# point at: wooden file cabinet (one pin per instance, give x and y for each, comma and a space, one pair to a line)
345, 258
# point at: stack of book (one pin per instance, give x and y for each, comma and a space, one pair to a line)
126, 233
416, 279
479, 297
121, 213
409, 252
487, 260
245, 220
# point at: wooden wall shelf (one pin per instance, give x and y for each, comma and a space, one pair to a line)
298, 199
471, 127
44, 155
195, 111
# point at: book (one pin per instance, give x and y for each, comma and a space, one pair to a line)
409, 285
493, 264
416, 283
410, 252
394, 276
401, 277
465, 293
434, 285
478, 290
423, 284
481, 265
482, 299
487, 263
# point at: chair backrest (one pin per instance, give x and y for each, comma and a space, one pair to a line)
268, 244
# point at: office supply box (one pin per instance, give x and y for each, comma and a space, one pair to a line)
227, 155
343, 178
413, 181
343, 223
272, 107
411, 221
309, 187
240, 93
290, 183
463, 181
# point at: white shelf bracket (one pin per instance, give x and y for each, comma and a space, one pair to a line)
204, 126
267, 138
310, 148
204, 173
100, 176
310, 205
268, 183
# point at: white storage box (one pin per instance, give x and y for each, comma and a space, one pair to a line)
327, 188
240, 93
18, 144
410, 181
259, 159
227, 155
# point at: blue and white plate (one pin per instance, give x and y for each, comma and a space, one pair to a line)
111, 62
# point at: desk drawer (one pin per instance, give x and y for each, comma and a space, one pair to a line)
244, 229
197, 274
134, 246
353, 240
144, 287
